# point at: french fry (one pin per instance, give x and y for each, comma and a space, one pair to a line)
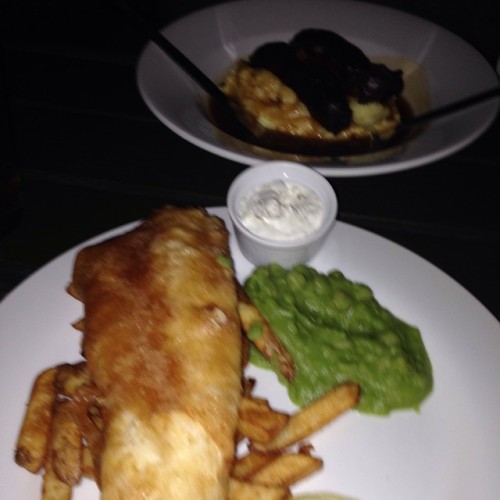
258, 421
87, 465
66, 444
247, 466
31, 446
287, 469
242, 490
313, 417
92, 426
71, 378
53, 488
265, 341
63, 432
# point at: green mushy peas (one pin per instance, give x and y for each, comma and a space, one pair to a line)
336, 331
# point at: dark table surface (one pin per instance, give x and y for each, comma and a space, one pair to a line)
93, 157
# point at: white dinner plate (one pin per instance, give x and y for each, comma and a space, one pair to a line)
439, 68
448, 451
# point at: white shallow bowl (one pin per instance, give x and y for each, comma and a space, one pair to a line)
260, 250
439, 67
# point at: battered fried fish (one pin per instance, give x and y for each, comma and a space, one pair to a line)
162, 340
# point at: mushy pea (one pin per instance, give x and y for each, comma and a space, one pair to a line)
336, 331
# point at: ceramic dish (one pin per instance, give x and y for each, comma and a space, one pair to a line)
271, 208
448, 451
439, 68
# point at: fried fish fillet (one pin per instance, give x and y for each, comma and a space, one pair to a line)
162, 340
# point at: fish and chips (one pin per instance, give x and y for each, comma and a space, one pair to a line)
160, 406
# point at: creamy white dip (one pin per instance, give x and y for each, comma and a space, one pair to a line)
280, 210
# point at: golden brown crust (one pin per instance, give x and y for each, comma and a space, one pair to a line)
163, 345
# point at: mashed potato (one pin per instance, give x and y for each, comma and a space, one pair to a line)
277, 108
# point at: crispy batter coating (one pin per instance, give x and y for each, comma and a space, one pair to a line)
162, 340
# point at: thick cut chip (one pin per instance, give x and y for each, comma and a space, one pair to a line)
88, 468
242, 490
53, 488
262, 336
31, 446
313, 417
287, 469
248, 465
66, 442
258, 421
71, 378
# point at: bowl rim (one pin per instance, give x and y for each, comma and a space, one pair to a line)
266, 171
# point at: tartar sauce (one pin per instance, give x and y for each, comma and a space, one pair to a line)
280, 210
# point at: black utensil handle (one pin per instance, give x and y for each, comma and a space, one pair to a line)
171, 50
454, 107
